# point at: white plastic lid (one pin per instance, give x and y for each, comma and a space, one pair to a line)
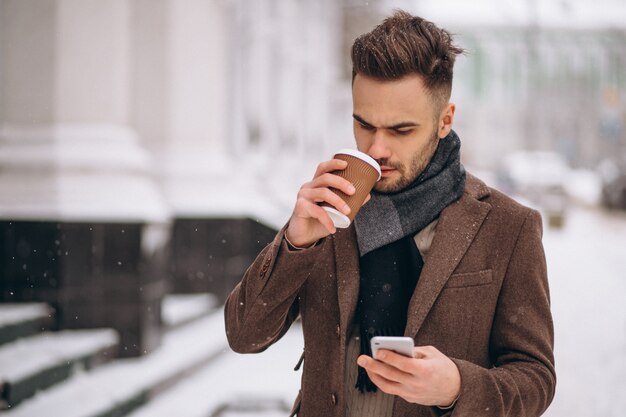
363, 156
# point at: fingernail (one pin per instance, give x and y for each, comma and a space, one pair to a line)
346, 209
381, 355
361, 361
351, 189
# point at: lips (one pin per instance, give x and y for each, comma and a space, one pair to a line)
385, 171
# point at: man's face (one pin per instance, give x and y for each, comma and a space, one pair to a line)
395, 123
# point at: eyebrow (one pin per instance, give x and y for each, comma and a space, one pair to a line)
395, 126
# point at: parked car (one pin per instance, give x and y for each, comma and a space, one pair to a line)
613, 176
539, 178
614, 193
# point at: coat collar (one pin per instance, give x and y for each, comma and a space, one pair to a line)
456, 229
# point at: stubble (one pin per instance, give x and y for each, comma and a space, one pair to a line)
408, 174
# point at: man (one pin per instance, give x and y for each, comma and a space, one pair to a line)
435, 255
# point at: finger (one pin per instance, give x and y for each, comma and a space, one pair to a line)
318, 195
385, 385
322, 216
329, 166
335, 181
396, 360
368, 198
387, 371
306, 209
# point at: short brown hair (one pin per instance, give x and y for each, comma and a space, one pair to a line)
404, 44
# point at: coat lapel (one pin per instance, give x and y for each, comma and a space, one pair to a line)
347, 264
456, 229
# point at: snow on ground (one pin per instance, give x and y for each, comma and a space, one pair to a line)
587, 271
232, 379
96, 392
584, 186
50, 349
13, 313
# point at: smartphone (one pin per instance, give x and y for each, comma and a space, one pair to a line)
399, 344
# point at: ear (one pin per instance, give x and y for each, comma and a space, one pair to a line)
446, 119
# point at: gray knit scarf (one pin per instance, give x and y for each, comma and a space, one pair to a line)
387, 218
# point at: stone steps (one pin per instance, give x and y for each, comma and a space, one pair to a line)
37, 362
243, 385
19, 320
124, 384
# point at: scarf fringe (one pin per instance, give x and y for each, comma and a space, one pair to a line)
363, 381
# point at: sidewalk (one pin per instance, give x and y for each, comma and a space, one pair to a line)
235, 379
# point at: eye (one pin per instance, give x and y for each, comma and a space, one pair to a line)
404, 132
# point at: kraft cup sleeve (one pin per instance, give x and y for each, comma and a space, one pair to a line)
363, 175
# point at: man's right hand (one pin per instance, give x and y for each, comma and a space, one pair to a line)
310, 222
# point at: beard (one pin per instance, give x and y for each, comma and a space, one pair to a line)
409, 172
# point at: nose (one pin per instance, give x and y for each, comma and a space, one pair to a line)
379, 149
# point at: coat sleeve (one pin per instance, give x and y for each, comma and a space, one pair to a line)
522, 381
263, 305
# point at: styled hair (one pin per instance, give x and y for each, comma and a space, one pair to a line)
404, 44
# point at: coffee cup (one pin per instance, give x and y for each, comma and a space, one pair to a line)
362, 172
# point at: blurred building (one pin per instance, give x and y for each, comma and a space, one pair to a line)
145, 146
151, 147
84, 223
154, 146
537, 76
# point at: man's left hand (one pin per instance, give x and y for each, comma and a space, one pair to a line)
429, 378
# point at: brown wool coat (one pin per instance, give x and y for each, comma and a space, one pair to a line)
482, 299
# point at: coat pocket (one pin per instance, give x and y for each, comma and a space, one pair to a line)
296, 405
469, 279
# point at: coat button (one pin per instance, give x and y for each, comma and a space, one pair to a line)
265, 267
333, 399
266, 264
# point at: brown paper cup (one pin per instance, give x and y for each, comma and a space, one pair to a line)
363, 172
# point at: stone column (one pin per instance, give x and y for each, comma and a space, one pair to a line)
182, 105
293, 111
82, 223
